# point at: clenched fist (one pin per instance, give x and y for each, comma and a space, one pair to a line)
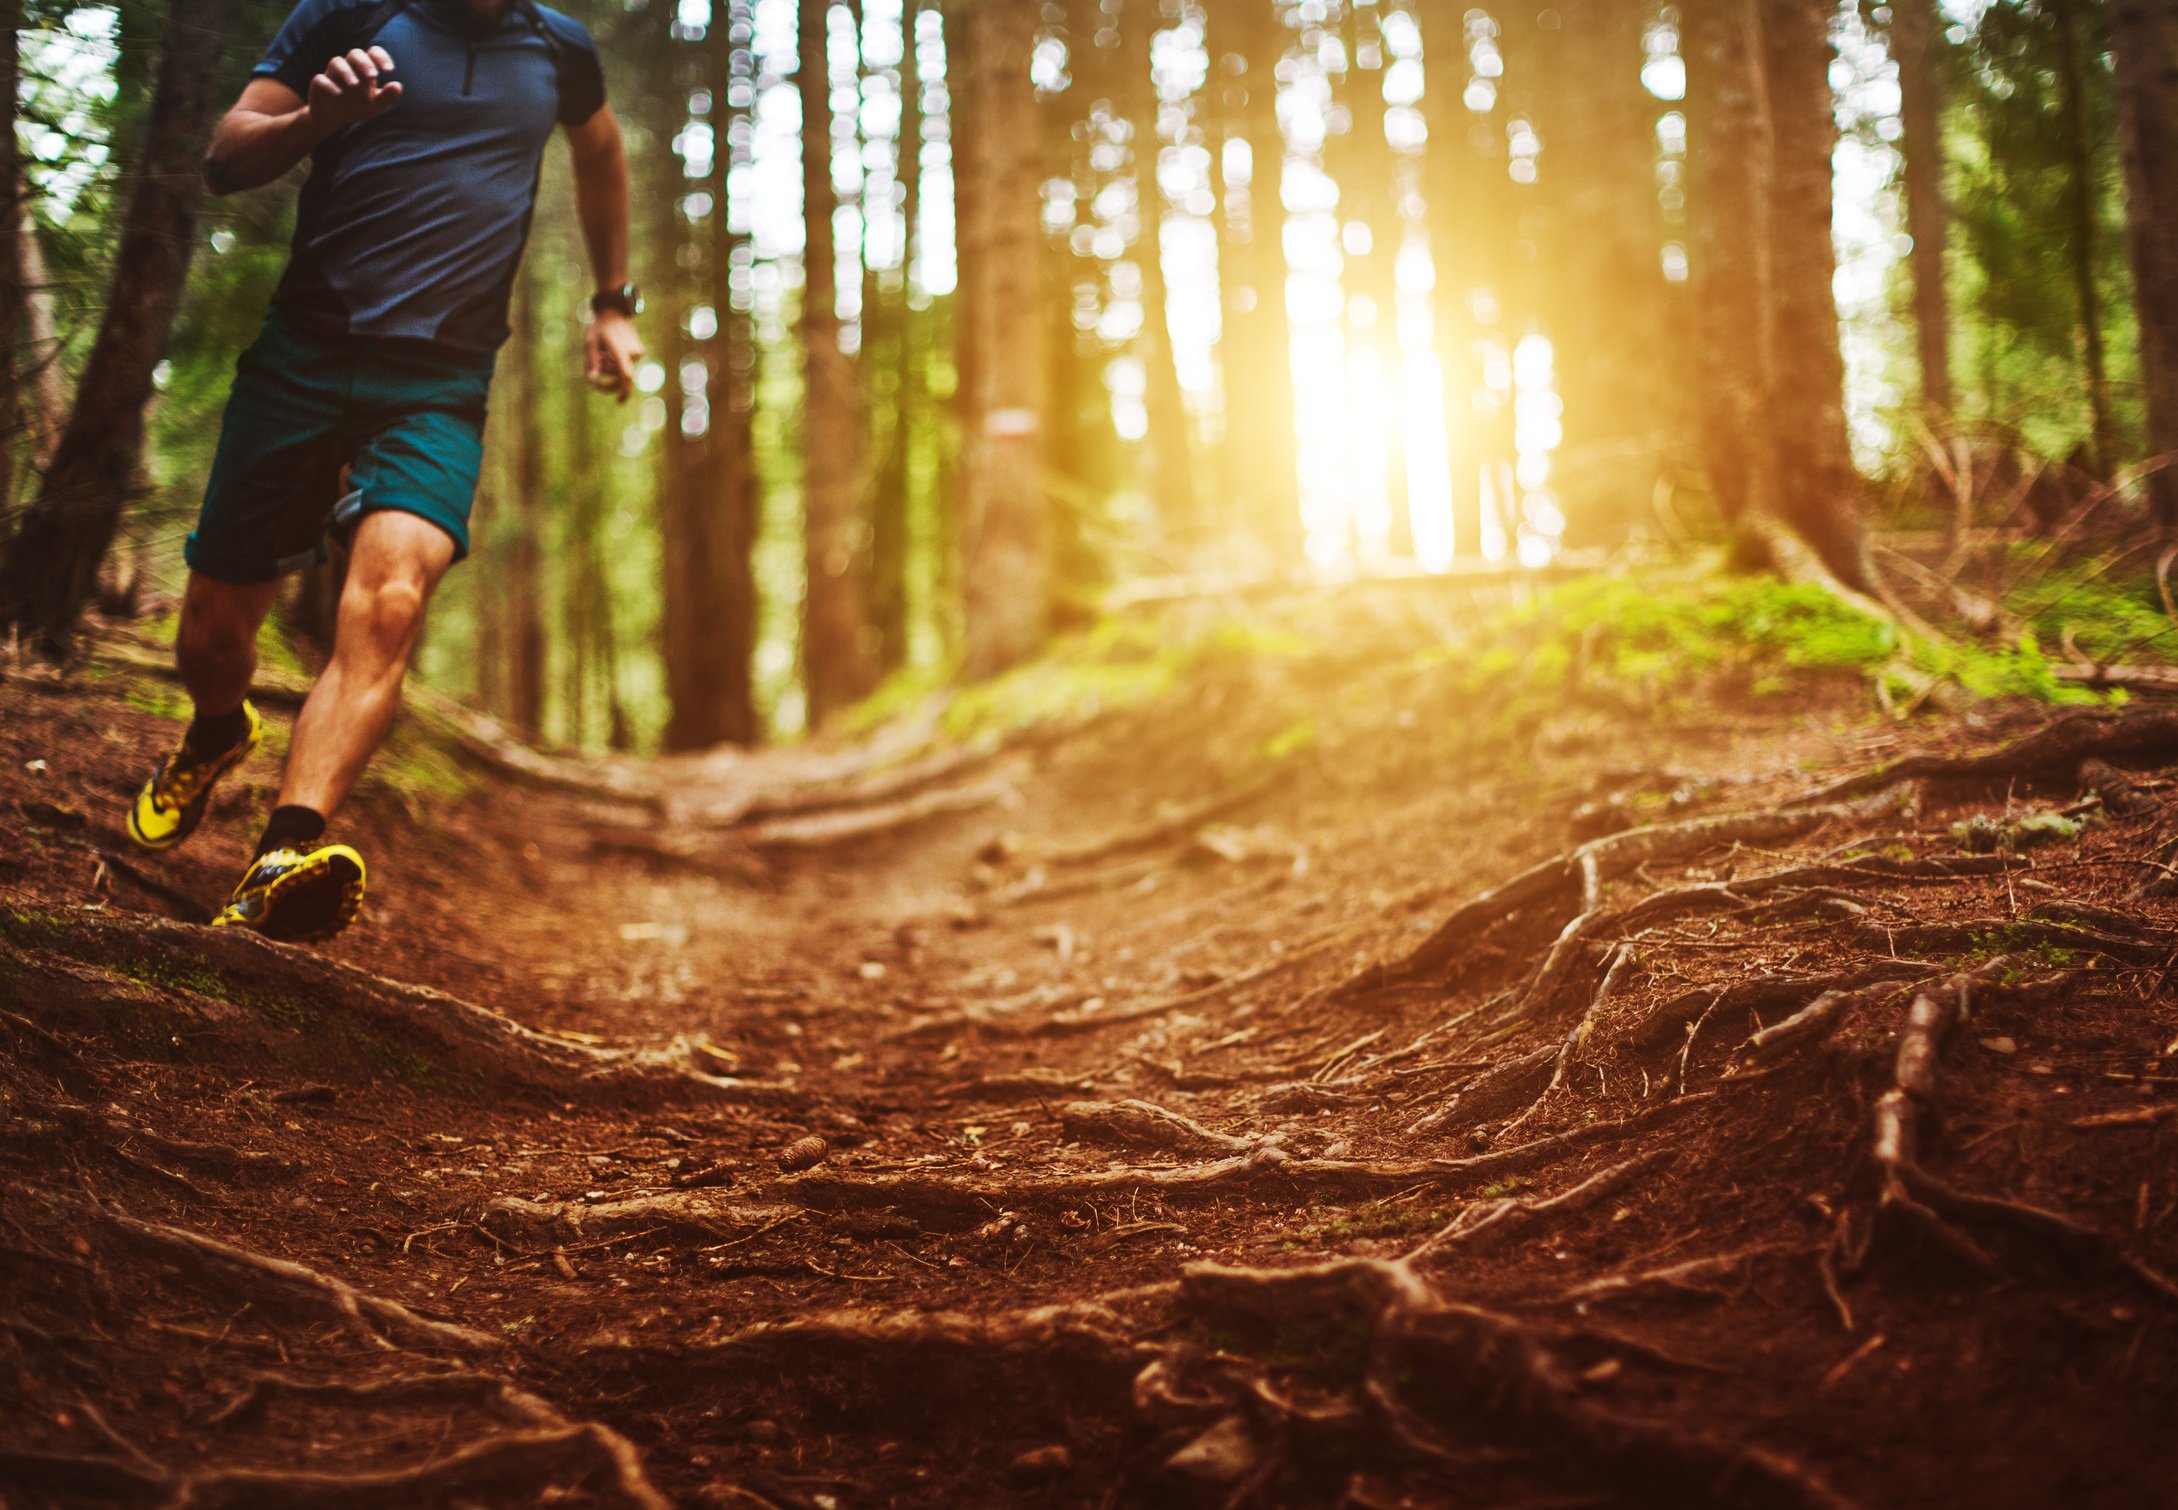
355, 86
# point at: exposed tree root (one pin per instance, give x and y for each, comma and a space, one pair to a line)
2121, 797
2031, 932
1576, 878
536, 1458
287, 1009
1490, 1221
2057, 748
821, 830
614, 1450
944, 1202
1587, 930
1908, 1195
1167, 828
1436, 1374
1667, 1023
384, 1323
1143, 1124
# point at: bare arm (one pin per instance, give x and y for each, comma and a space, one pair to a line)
271, 128
610, 346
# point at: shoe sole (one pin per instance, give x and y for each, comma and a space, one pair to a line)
316, 902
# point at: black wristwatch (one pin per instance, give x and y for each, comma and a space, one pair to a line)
627, 300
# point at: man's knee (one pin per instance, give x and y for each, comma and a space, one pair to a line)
383, 615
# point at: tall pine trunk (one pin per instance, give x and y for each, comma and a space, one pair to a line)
890, 494
838, 661
1917, 41
1464, 188
51, 569
521, 591
1604, 246
1762, 133
2144, 42
13, 210
2082, 237
1818, 488
1728, 158
710, 501
1006, 534
1261, 451
1171, 471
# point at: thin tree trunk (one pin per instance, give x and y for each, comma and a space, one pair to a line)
1464, 189
1818, 488
838, 666
729, 451
889, 523
1728, 156
1917, 42
1260, 413
2082, 238
1171, 453
1608, 294
52, 566
13, 210
2144, 42
521, 565
39, 358
1006, 529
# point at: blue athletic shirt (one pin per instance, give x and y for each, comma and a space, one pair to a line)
412, 224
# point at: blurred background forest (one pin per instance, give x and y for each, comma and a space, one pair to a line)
965, 315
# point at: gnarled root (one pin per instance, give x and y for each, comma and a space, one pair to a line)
2060, 746
1909, 1195
1434, 1376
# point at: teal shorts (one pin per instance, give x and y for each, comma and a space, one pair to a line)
403, 420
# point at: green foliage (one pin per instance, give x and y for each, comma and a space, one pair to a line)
2015, 164
2111, 606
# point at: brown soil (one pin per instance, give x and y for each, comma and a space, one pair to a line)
1093, 1121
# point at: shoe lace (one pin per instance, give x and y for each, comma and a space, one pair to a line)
180, 779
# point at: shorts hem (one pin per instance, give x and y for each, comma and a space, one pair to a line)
349, 515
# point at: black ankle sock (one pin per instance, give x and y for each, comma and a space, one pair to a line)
291, 827
217, 733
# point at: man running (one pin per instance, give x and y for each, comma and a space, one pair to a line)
358, 413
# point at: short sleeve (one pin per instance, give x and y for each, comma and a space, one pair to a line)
582, 73
313, 33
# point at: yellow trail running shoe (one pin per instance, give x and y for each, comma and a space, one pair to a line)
172, 803
295, 897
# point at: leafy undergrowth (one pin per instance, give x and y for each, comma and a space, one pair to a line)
1390, 1048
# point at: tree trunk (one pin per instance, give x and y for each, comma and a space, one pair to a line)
1917, 41
1259, 403
1604, 246
709, 491
1760, 113
38, 359
891, 502
1006, 529
2144, 42
1464, 188
2081, 234
1171, 454
1818, 489
14, 209
838, 664
521, 589
1728, 157
52, 565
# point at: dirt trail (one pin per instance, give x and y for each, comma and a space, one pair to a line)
1292, 1090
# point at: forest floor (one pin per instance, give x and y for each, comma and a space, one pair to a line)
1288, 1073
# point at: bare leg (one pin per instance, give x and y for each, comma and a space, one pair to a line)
216, 646
396, 560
